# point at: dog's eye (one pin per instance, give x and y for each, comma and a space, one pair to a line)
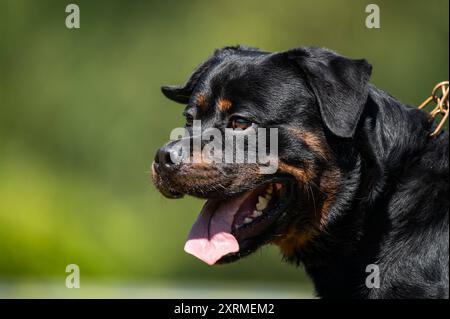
240, 123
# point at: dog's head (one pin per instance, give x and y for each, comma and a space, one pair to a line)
308, 94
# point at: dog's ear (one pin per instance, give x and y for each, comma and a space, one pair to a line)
339, 84
182, 93
176, 93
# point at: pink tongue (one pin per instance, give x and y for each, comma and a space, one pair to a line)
210, 238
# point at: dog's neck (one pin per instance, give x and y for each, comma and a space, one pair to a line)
389, 140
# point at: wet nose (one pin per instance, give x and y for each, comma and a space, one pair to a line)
165, 155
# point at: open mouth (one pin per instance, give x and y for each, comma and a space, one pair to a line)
228, 229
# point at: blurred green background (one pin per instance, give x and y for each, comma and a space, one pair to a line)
81, 116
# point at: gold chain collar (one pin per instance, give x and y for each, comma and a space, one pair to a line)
440, 97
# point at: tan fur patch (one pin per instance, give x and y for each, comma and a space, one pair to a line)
329, 179
328, 186
302, 175
295, 239
201, 101
314, 141
224, 105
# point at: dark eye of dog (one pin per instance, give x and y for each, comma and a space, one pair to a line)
239, 122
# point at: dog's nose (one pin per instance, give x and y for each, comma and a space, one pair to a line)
165, 155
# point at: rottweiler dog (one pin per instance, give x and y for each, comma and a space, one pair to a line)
360, 195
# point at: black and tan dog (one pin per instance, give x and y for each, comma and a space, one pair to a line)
359, 180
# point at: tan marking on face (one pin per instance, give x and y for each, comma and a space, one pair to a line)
201, 101
193, 176
315, 141
224, 105
329, 179
245, 173
302, 175
324, 183
296, 238
329, 186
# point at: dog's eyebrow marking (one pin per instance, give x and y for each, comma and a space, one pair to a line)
224, 105
201, 101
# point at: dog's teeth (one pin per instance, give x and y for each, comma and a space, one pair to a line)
256, 213
269, 189
248, 220
262, 203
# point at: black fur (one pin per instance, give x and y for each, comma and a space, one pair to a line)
391, 207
